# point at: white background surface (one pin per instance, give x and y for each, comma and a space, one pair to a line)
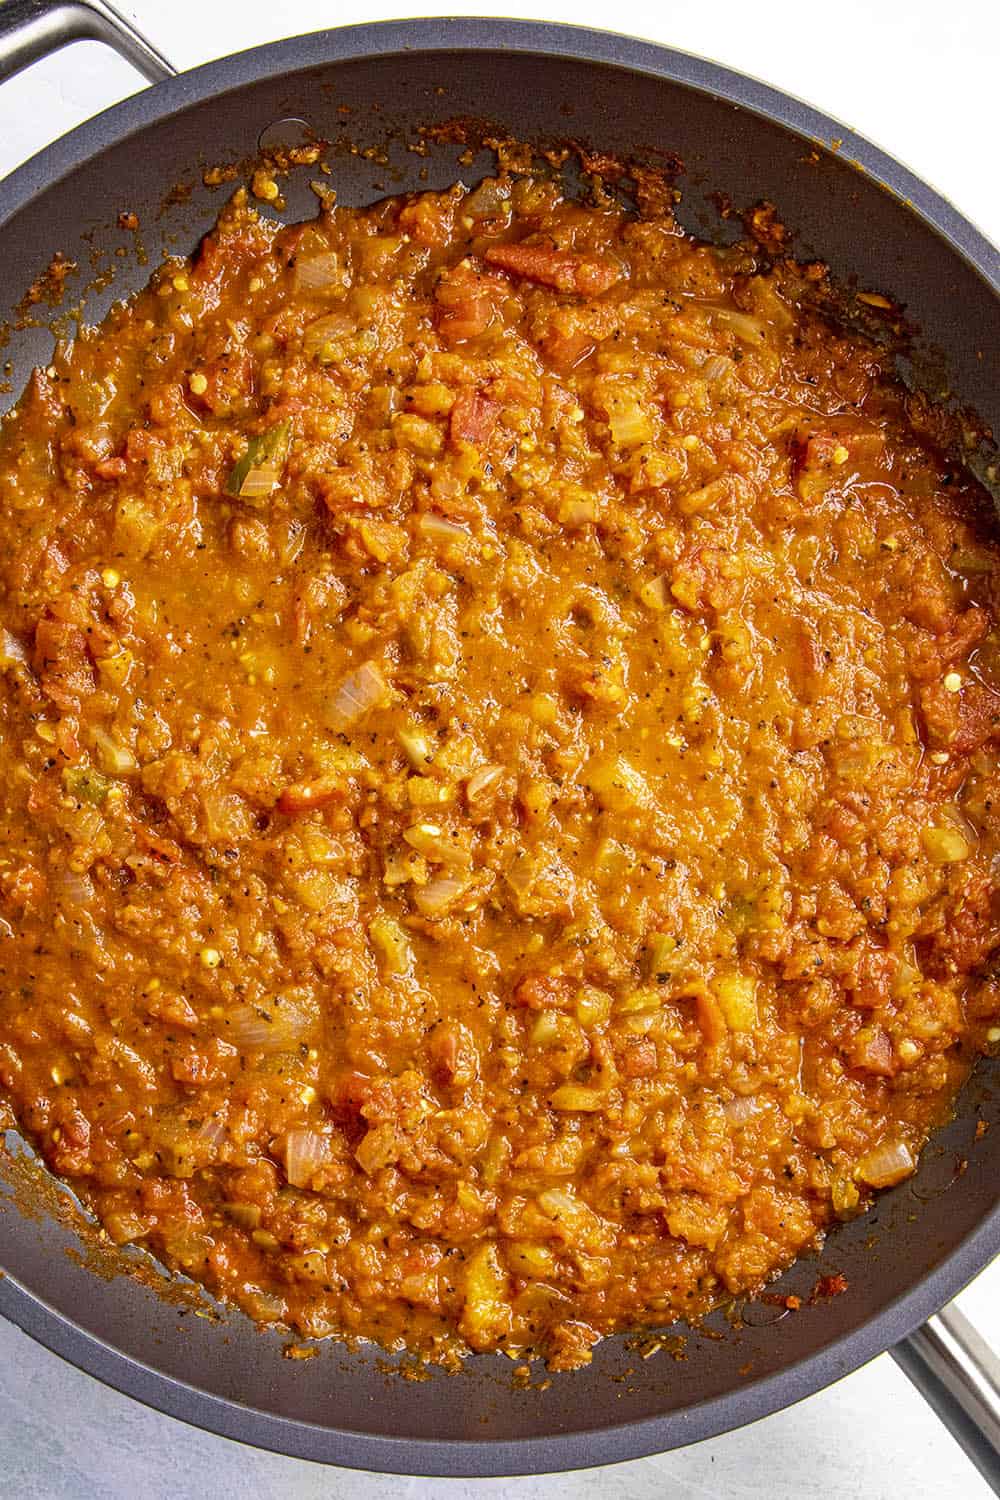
920, 78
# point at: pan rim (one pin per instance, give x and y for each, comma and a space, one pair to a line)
615, 1443
556, 1452
483, 34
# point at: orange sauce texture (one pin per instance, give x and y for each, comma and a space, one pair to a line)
497, 722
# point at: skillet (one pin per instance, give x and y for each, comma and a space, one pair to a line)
877, 227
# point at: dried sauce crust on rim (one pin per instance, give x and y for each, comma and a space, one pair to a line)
499, 707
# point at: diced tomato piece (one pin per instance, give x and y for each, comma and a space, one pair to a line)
872, 1052
811, 660
705, 578
567, 348
639, 1057
173, 1009
223, 252
541, 991
962, 633
228, 383
467, 301
429, 219
968, 934
963, 721
815, 453
872, 982
820, 449
43, 796
822, 458
143, 446
710, 1019
111, 468
347, 1099
62, 662
453, 1055
69, 1147
956, 634
210, 261
473, 418
585, 275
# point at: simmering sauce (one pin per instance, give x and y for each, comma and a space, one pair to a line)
497, 726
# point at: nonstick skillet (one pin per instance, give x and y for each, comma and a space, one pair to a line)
876, 226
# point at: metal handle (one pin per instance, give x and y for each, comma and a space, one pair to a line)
956, 1371
30, 29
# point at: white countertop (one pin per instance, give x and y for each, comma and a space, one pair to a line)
917, 77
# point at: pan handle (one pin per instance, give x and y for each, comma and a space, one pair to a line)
957, 1372
30, 29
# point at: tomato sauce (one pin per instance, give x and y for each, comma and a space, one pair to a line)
498, 721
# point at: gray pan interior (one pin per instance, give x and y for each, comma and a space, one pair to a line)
872, 222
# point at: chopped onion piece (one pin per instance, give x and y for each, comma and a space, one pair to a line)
629, 421
522, 873
617, 785
716, 367
125, 1227
246, 1215
211, 1133
419, 749
359, 692
483, 782
442, 845
259, 482
263, 1307
655, 594
189, 1247
393, 945
770, 304
115, 758
12, 651
945, 845
326, 331
575, 1097
129, 1060
438, 896
750, 330
561, 1204
737, 999
887, 1163
844, 1196
305, 1152
261, 467
738, 1111
315, 272
254, 1028
439, 529
578, 512
72, 889
489, 200
546, 1030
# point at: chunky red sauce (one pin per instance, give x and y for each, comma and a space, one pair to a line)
499, 707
